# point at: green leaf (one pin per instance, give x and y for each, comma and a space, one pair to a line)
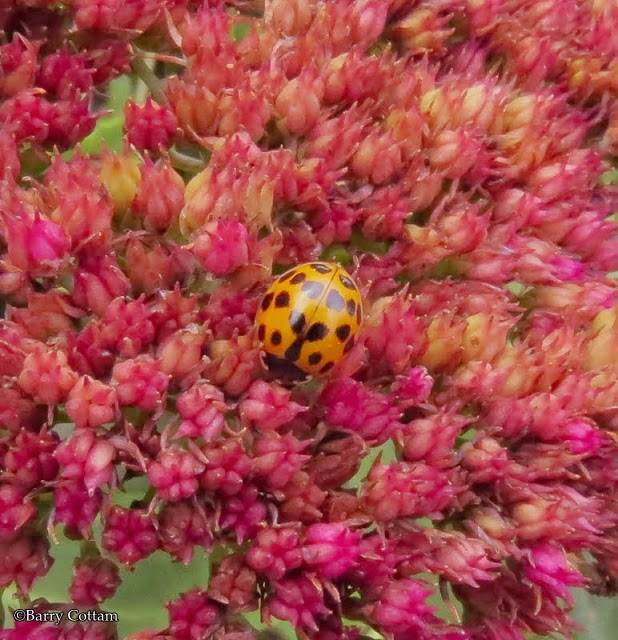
278, 628
609, 177
449, 267
119, 91
387, 450
108, 132
240, 31
377, 247
336, 253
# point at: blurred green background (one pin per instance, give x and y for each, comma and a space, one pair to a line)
140, 601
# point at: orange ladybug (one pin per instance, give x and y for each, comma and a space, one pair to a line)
309, 316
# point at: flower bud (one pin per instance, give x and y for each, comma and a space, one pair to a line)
149, 127
39, 245
222, 247
298, 103
120, 175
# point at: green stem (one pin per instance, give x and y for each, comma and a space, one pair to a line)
184, 162
143, 71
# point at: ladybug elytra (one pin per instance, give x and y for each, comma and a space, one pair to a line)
309, 316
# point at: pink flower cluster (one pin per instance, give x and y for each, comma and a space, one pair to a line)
457, 156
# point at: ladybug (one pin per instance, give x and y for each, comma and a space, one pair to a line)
309, 316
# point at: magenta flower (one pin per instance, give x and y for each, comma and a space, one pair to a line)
331, 549
456, 158
37, 245
548, 567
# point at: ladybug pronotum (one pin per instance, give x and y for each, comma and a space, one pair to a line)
309, 316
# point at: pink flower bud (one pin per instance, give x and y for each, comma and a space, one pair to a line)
91, 403
140, 382
174, 474
244, 514
17, 510
37, 245
155, 266
548, 568
129, 534
298, 103
222, 247
432, 439
76, 507
183, 526
87, 458
276, 459
233, 584
46, 376
127, 327
18, 63
275, 552
193, 615
268, 406
194, 106
351, 406
298, 601
244, 108
455, 153
180, 354
65, 74
23, 561
424, 30
235, 363
290, 18
160, 196
149, 126
30, 460
413, 387
378, 158
486, 459
353, 76
202, 408
112, 15
331, 549
94, 580
407, 490
227, 467
97, 281
583, 437
401, 607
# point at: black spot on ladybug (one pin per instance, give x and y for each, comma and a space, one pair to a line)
343, 332
282, 368
298, 278
347, 282
335, 301
297, 321
314, 358
286, 276
327, 367
282, 299
293, 351
317, 331
313, 289
358, 314
351, 306
268, 298
261, 332
348, 345
275, 337
321, 268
